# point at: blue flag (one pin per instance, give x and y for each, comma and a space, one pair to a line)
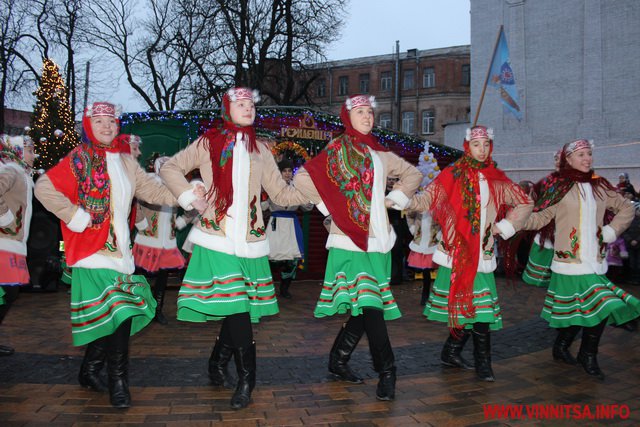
501, 77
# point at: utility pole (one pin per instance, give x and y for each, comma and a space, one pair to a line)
86, 85
397, 88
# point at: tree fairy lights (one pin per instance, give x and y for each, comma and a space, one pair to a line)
52, 125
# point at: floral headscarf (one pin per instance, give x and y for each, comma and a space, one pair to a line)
220, 142
343, 174
82, 176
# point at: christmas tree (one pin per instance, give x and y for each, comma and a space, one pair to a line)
428, 165
52, 125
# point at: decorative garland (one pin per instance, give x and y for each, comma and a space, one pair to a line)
269, 121
291, 146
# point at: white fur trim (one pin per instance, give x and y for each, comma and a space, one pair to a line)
186, 199
484, 265
383, 235
467, 135
7, 218
255, 95
349, 103
225, 244
142, 225
608, 234
400, 200
323, 208
180, 223
506, 229
79, 221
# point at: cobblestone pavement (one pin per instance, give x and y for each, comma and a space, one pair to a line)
169, 384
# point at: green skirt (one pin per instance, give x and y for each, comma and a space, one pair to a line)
217, 285
65, 277
587, 300
538, 269
356, 280
1, 296
102, 299
485, 301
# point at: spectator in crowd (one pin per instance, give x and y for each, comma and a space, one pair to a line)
400, 227
625, 186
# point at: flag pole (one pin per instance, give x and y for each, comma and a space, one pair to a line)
486, 80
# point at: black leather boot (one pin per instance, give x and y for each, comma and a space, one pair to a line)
6, 350
587, 356
482, 355
218, 361
340, 354
158, 294
451, 352
118, 366
284, 288
384, 365
245, 359
563, 342
94, 359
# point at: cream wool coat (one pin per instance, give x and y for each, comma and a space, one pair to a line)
381, 234
581, 239
16, 189
128, 180
242, 231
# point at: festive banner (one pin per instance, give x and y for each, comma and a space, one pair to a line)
501, 77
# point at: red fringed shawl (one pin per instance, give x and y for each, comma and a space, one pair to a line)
456, 207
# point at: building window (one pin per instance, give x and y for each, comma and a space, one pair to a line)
321, 88
343, 85
407, 121
428, 121
466, 75
407, 81
385, 120
385, 80
429, 77
364, 83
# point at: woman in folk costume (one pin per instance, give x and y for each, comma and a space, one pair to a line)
580, 295
537, 272
285, 234
155, 249
16, 190
228, 276
466, 199
348, 180
91, 190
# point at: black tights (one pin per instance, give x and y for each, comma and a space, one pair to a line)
118, 341
372, 322
160, 283
481, 328
595, 330
236, 331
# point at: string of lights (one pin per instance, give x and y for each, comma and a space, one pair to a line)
52, 126
271, 120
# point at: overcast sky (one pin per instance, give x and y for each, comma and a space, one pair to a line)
372, 28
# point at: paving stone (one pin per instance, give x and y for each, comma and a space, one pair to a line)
170, 386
